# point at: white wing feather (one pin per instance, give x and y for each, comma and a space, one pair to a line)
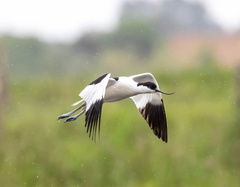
94, 92
142, 99
151, 107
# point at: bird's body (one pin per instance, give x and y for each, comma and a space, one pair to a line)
120, 89
142, 89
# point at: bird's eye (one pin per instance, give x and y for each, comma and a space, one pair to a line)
152, 86
149, 85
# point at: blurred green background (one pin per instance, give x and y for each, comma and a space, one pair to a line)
193, 57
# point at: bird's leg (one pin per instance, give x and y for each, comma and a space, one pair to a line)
70, 113
74, 117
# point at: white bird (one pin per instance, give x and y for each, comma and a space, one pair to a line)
143, 89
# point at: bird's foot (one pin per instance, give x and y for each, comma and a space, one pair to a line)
74, 117
70, 119
64, 116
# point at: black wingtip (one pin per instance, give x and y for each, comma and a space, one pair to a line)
156, 118
93, 119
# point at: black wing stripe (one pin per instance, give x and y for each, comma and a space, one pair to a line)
90, 121
93, 118
94, 123
99, 79
156, 118
164, 122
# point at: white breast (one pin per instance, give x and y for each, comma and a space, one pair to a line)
121, 89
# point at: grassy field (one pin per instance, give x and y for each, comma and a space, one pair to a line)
203, 148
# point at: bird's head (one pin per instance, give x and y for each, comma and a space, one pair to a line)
150, 87
147, 87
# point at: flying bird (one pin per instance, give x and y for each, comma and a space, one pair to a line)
143, 89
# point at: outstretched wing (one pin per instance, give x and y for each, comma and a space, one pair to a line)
144, 77
93, 95
151, 107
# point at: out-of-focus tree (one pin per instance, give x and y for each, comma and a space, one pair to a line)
180, 16
171, 16
30, 57
136, 36
136, 30
89, 44
25, 55
143, 25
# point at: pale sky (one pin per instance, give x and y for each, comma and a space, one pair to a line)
64, 20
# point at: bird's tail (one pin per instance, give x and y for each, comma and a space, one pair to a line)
77, 103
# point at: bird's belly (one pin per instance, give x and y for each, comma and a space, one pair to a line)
117, 94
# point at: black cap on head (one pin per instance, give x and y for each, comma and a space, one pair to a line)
150, 85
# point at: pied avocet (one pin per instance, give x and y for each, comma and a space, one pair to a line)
143, 89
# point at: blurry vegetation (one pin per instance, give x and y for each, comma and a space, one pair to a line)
206, 60
45, 78
37, 150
